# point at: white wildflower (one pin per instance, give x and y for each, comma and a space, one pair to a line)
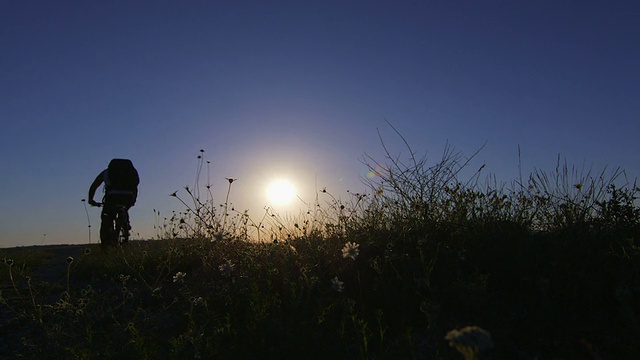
351, 250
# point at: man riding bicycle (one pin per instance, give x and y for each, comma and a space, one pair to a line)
121, 181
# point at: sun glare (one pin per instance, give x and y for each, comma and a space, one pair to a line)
281, 192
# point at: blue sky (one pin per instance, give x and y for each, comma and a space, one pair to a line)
297, 89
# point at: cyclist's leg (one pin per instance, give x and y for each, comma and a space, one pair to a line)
107, 231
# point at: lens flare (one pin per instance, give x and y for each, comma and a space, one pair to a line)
281, 192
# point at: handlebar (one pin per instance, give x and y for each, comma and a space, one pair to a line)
99, 204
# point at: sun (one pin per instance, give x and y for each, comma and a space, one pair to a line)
281, 192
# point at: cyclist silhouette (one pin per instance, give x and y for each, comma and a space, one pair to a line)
121, 181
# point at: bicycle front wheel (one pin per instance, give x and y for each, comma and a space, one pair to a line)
122, 226
108, 231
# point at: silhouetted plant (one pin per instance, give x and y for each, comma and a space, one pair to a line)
547, 265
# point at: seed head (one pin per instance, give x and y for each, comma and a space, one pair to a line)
179, 276
197, 301
470, 340
227, 268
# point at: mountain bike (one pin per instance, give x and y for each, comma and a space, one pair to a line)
115, 226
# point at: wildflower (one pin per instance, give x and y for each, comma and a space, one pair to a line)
8, 261
179, 276
230, 180
227, 268
350, 249
174, 194
69, 260
87, 251
470, 341
337, 285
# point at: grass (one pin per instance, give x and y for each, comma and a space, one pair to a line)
425, 266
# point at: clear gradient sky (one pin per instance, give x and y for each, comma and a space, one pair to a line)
297, 89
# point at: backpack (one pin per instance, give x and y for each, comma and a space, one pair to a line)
121, 176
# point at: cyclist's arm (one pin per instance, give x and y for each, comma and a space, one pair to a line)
94, 186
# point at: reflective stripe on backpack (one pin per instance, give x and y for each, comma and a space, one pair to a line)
119, 192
